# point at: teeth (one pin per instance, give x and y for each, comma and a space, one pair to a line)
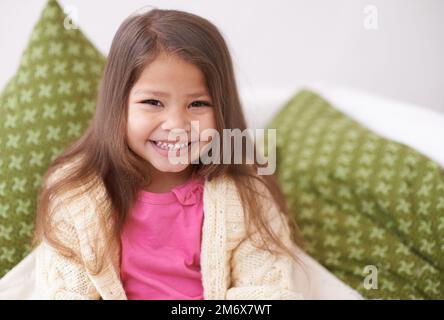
171, 146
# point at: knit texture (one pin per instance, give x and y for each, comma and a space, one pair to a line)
232, 268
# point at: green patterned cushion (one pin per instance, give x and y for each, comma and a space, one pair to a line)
362, 200
45, 106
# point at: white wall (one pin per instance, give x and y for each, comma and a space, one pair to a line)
281, 45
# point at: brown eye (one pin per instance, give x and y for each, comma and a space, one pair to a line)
153, 102
200, 104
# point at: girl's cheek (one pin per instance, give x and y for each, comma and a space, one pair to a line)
138, 123
208, 121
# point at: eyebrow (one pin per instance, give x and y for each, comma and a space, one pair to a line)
166, 94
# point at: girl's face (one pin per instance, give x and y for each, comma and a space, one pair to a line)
170, 96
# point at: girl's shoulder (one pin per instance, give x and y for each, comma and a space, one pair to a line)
225, 190
226, 186
223, 186
76, 198
67, 169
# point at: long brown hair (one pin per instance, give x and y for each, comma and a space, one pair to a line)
103, 152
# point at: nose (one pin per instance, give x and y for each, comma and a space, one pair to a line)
176, 120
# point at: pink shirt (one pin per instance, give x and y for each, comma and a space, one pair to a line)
161, 244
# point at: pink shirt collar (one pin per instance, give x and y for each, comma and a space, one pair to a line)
187, 193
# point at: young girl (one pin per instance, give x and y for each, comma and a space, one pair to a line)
118, 220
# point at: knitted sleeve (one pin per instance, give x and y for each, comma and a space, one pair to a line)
256, 274
62, 277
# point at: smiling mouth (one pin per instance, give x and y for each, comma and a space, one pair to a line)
170, 145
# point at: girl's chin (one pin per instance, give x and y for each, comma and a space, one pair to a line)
171, 168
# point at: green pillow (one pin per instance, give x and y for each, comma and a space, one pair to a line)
362, 200
46, 105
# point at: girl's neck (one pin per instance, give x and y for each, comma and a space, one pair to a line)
162, 182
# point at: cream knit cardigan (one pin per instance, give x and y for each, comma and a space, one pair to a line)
231, 267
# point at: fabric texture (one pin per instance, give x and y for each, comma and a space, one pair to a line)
366, 205
160, 257
231, 268
45, 106
311, 279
